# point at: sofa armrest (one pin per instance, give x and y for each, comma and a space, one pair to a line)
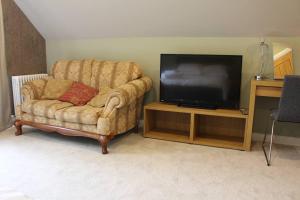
126, 94
34, 89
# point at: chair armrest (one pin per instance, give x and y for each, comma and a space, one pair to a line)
126, 94
34, 89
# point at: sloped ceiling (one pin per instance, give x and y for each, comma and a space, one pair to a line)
75, 19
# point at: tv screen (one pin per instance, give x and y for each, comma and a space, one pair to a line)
209, 81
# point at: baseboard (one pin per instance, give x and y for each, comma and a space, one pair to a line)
141, 123
286, 140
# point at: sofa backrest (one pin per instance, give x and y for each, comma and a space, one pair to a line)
113, 74
96, 73
76, 70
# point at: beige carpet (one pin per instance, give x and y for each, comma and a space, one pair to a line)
9, 194
54, 167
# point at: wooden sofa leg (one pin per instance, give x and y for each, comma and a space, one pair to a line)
18, 125
103, 142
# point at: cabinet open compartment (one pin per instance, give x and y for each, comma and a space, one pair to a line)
167, 125
219, 128
219, 131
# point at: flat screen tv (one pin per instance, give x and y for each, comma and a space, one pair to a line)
208, 81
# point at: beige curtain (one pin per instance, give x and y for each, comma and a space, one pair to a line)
5, 107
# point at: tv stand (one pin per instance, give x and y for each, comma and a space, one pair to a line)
219, 128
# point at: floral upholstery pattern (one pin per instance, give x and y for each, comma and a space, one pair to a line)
100, 99
54, 122
113, 74
34, 89
122, 119
44, 108
56, 88
127, 93
115, 111
75, 70
79, 114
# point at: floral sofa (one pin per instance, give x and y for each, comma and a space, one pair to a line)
119, 111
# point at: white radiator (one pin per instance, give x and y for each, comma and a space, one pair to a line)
18, 82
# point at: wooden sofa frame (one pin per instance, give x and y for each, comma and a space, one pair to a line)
102, 139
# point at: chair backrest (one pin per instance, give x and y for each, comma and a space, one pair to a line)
289, 105
98, 74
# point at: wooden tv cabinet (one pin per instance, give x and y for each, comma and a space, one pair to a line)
219, 128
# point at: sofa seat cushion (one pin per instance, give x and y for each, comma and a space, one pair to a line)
79, 114
54, 122
44, 108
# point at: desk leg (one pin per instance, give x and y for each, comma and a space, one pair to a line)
248, 134
192, 128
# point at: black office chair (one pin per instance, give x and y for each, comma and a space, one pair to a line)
288, 110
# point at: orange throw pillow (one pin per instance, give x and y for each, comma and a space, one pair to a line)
79, 94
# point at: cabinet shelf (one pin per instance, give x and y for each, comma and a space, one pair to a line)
218, 128
230, 142
165, 134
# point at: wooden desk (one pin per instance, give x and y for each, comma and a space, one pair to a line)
264, 88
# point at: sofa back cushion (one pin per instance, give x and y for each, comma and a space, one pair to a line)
113, 74
55, 88
100, 99
96, 73
75, 70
